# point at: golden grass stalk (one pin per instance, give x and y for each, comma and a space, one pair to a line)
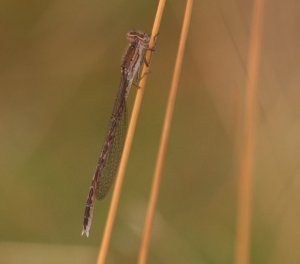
244, 210
165, 136
128, 142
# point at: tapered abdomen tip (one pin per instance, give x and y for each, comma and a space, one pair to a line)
85, 232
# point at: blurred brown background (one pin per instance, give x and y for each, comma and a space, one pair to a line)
59, 74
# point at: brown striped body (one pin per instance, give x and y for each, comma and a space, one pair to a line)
103, 177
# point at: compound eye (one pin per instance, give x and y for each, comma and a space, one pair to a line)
131, 35
140, 36
144, 37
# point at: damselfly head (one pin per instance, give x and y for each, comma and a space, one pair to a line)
138, 36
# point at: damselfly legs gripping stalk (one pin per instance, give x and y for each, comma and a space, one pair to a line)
113, 145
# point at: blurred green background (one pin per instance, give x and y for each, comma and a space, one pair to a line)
59, 74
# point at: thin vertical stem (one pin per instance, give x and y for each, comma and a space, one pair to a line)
244, 210
128, 142
165, 136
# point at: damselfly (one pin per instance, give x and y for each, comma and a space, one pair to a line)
113, 145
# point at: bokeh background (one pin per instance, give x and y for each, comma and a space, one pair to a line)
59, 74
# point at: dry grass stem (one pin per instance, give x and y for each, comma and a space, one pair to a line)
127, 146
244, 212
165, 136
